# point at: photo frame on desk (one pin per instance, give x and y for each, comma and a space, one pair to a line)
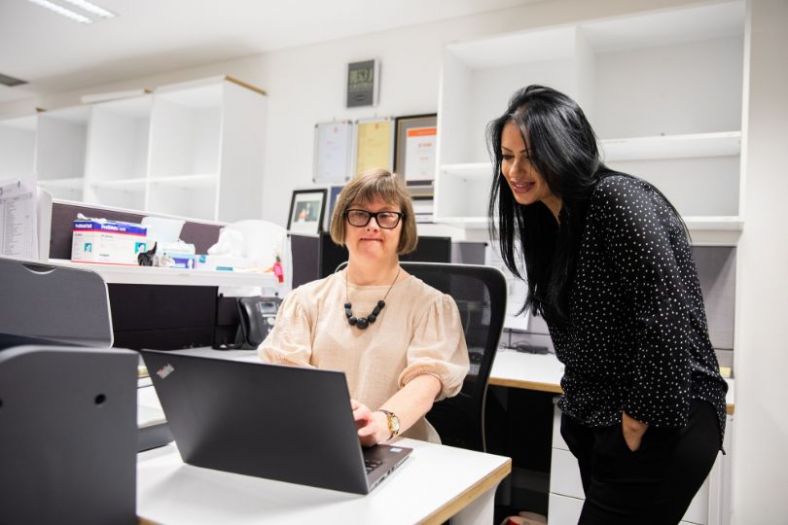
306, 211
415, 145
333, 194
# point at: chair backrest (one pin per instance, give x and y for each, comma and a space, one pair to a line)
52, 304
480, 294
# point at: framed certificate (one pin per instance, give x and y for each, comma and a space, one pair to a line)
415, 146
333, 152
374, 144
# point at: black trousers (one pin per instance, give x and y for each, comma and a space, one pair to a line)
653, 485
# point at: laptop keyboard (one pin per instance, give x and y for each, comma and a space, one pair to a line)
371, 464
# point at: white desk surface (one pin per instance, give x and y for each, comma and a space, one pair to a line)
435, 483
543, 372
121, 274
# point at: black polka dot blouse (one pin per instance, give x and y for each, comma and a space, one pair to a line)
637, 338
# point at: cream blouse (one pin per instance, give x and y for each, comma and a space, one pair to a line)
417, 332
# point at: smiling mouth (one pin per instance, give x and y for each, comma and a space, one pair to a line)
522, 187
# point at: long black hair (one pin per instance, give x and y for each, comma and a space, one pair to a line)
562, 146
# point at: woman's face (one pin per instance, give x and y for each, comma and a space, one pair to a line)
371, 242
527, 184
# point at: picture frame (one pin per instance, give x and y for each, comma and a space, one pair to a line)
333, 194
306, 211
415, 145
363, 83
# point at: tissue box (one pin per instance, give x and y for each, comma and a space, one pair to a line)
108, 242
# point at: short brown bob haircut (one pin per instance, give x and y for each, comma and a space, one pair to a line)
363, 189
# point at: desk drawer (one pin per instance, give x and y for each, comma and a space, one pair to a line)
563, 510
565, 474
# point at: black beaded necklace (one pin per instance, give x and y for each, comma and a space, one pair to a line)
364, 322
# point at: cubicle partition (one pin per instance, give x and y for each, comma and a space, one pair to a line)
160, 316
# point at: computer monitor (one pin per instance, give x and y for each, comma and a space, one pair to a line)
429, 249
315, 257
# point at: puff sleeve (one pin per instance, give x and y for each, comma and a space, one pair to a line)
290, 340
438, 348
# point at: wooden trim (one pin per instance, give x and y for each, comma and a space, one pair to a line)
246, 85
555, 389
490, 481
526, 385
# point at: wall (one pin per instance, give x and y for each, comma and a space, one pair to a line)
307, 84
760, 455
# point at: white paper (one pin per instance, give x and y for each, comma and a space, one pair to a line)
333, 152
516, 292
420, 153
18, 236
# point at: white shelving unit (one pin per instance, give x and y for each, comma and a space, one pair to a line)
61, 146
192, 149
117, 163
18, 148
662, 89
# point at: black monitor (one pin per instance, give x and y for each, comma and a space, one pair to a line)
318, 257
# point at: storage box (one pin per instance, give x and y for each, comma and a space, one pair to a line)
107, 242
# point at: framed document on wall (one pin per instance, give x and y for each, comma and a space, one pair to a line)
415, 145
333, 152
374, 144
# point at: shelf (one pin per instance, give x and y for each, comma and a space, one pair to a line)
468, 170
672, 146
122, 274
74, 183
557, 43
193, 181
120, 184
704, 231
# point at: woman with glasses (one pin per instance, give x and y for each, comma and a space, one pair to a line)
399, 341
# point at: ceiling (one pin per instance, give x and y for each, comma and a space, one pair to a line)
55, 54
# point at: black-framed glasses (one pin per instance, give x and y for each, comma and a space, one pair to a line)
388, 220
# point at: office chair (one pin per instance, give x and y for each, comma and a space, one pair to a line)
480, 294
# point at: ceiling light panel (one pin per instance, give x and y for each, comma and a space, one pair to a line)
91, 8
62, 11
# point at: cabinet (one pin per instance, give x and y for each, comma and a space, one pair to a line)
193, 149
662, 89
566, 490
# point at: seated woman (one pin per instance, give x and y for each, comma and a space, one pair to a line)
399, 341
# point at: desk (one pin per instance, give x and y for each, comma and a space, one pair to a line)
435, 483
543, 372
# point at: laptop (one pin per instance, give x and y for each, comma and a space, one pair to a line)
271, 421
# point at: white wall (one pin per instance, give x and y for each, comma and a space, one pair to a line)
307, 84
760, 439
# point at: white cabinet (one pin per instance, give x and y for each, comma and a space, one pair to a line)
61, 143
662, 89
708, 507
18, 148
117, 161
192, 149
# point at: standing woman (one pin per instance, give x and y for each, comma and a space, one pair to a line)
609, 267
